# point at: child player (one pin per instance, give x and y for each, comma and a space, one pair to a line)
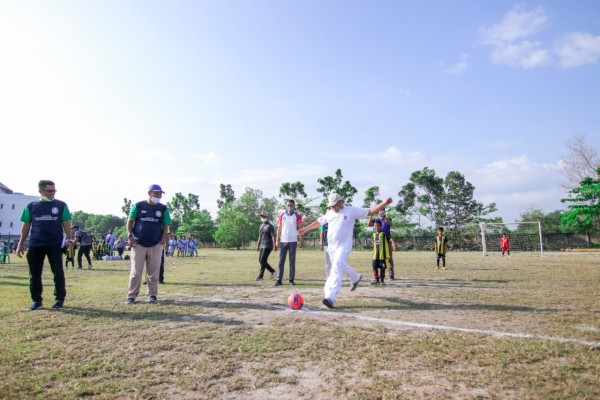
505, 244
381, 254
441, 243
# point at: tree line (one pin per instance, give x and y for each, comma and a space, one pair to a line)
424, 203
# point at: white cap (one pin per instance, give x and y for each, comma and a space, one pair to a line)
334, 198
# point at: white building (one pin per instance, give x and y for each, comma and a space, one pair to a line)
11, 209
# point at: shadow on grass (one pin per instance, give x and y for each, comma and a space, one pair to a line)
411, 305
14, 284
134, 314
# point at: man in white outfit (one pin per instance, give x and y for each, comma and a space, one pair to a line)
339, 237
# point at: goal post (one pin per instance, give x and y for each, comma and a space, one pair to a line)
524, 237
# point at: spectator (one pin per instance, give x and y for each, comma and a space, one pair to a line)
287, 240
47, 219
148, 229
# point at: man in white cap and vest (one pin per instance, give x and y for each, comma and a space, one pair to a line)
339, 236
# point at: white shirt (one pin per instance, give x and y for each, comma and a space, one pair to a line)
288, 225
341, 227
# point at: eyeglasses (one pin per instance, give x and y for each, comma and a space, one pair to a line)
49, 190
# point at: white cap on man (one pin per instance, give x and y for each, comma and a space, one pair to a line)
334, 198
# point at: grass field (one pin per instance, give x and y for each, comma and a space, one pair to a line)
522, 327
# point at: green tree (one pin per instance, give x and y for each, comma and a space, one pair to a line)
200, 224
126, 207
583, 212
371, 196
550, 222
424, 194
461, 206
445, 202
238, 220
226, 195
189, 219
331, 184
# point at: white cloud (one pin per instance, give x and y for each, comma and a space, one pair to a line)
577, 49
524, 54
390, 156
457, 68
507, 39
516, 174
209, 158
517, 24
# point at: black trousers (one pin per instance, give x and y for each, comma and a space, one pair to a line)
84, 250
35, 259
161, 277
263, 256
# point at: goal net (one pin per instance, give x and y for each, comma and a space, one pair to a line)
523, 237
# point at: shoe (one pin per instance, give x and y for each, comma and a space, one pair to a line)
259, 278
355, 284
144, 283
35, 306
328, 303
444, 268
58, 304
152, 299
163, 281
382, 283
392, 278
130, 300
79, 268
278, 283
90, 266
374, 282
437, 267
292, 283
272, 274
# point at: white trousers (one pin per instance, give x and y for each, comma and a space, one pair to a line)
339, 267
327, 262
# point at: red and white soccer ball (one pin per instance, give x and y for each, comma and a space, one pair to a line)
296, 301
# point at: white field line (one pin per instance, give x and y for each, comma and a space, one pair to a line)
406, 324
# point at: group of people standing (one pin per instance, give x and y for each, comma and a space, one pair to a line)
186, 247
47, 223
337, 231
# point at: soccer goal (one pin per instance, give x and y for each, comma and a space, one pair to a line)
523, 236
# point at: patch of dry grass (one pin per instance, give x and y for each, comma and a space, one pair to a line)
217, 333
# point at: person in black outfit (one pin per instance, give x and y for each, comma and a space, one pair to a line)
265, 244
47, 219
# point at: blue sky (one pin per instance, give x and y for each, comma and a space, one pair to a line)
108, 97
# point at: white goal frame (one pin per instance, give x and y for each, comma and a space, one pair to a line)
484, 225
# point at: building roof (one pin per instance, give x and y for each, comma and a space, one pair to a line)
5, 189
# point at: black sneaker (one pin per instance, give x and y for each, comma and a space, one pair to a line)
90, 266
163, 281
152, 299
35, 306
355, 284
58, 304
328, 303
272, 274
292, 283
130, 300
144, 283
278, 283
259, 278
